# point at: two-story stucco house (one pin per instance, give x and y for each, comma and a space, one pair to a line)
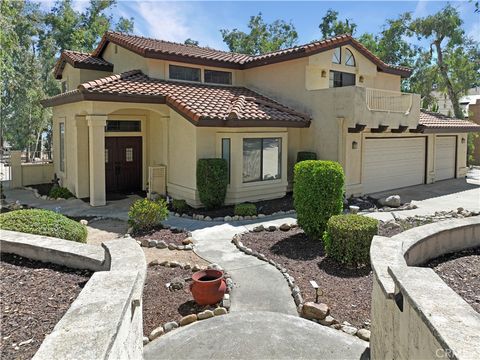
137, 105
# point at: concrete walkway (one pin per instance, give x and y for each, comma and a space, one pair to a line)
256, 335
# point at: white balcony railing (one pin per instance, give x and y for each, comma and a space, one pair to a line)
389, 101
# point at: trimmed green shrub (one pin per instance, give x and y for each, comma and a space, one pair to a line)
60, 192
212, 181
145, 214
245, 209
43, 222
348, 238
306, 155
180, 206
317, 194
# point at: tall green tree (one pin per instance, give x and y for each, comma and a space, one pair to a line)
332, 26
262, 37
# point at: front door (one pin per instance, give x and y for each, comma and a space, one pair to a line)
123, 164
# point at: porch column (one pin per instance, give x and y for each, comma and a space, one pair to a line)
81, 155
96, 146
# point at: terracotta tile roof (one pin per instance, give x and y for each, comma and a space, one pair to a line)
438, 122
203, 105
80, 60
153, 48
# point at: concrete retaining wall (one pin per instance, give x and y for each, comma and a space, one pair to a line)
105, 321
415, 315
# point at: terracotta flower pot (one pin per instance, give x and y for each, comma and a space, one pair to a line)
208, 286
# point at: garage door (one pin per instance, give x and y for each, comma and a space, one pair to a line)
393, 163
445, 157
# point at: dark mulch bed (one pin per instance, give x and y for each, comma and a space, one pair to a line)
166, 235
346, 291
160, 305
35, 296
461, 271
265, 207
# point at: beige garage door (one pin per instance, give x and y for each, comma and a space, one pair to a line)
444, 157
393, 163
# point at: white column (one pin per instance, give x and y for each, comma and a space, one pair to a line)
96, 146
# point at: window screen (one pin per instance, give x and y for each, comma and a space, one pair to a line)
184, 73
218, 77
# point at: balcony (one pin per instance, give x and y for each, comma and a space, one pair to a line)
388, 101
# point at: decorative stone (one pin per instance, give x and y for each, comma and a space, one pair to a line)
284, 227
161, 244
205, 315
188, 247
351, 330
165, 263
227, 218
153, 262
259, 228
195, 267
271, 228
180, 247
260, 216
200, 217
172, 246
188, 319
84, 222
312, 310
354, 209
329, 320
187, 266
393, 201
208, 218
170, 326
174, 264
215, 267
235, 218
152, 243
220, 311
145, 242
226, 303
177, 283
229, 283
157, 332
145, 340
298, 299
364, 334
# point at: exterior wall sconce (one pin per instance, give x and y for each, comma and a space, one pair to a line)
360, 79
354, 145
463, 140
324, 73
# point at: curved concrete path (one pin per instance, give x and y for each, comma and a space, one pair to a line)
256, 335
259, 286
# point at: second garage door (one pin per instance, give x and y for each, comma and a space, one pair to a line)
445, 157
391, 163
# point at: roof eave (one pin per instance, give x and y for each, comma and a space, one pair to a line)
446, 130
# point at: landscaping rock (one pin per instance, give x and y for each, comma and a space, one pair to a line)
227, 218
354, 209
188, 247
177, 283
84, 222
351, 330
195, 267
157, 332
170, 326
162, 245
259, 228
205, 315
312, 310
271, 228
145, 242
188, 319
284, 227
174, 264
364, 334
215, 267
172, 246
220, 311
329, 320
153, 262
187, 241
152, 243
208, 218
180, 247
391, 201
145, 340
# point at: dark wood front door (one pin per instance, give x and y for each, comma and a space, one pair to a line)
123, 164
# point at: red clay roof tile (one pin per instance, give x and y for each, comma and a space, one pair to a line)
436, 121
80, 60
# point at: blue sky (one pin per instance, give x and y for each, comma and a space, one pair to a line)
202, 20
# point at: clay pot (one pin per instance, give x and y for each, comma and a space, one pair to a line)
208, 286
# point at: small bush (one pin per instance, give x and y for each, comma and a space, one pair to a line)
306, 155
317, 194
145, 214
212, 181
348, 238
44, 222
60, 192
245, 209
180, 206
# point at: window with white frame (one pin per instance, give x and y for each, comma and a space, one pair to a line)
62, 146
337, 55
262, 159
349, 58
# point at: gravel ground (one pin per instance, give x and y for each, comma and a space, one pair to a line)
461, 271
160, 305
162, 234
35, 296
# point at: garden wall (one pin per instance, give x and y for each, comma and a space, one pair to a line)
414, 313
24, 174
105, 321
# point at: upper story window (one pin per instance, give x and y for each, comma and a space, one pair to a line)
218, 77
184, 73
339, 79
349, 58
337, 55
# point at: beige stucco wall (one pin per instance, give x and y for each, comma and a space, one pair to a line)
74, 77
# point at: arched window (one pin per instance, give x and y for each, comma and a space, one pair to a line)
350, 59
337, 56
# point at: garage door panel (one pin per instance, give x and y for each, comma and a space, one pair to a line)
445, 157
393, 163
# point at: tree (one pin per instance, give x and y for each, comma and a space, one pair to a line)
450, 50
331, 26
262, 38
191, 42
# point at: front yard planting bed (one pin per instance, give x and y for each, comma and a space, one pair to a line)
461, 271
168, 236
35, 296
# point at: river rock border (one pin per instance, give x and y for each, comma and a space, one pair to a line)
228, 218
224, 309
318, 313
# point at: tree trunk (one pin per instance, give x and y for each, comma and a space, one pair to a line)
457, 110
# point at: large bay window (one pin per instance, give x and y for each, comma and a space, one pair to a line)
262, 158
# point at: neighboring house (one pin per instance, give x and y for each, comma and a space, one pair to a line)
136, 105
445, 106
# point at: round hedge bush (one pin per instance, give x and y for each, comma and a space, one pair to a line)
145, 214
212, 181
317, 194
348, 238
43, 222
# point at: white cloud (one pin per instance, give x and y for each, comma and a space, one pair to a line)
420, 9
